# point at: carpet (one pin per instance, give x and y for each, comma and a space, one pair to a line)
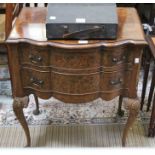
76, 136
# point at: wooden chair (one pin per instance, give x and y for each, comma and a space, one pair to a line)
2, 27
7, 17
8, 13
2, 8
34, 4
150, 55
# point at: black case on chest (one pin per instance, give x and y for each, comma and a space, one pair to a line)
81, 21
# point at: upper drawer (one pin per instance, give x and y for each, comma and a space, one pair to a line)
116, 56
34, 55
75, 59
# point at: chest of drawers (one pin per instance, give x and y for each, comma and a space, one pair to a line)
74, 71
78, 75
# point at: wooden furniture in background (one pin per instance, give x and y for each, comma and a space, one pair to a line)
2, 27
11, 12
34, 4
147, 12
2, 8
7, 17
74, 71
150, 55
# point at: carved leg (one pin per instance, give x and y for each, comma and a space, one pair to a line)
18, 105
120, 112
36, 111
133, 106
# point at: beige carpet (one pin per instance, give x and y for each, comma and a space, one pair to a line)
76, 136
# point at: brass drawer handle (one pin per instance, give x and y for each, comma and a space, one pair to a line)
116, 82
116, 60
36, 82
35, 59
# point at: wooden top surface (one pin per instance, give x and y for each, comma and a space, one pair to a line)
30, 27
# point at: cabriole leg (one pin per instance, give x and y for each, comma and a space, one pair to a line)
133, 105
18, 105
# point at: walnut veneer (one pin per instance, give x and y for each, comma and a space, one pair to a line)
71, 71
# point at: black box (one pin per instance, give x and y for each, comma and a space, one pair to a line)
81, 21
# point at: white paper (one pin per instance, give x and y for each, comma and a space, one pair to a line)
52, 18
136, 60
80, 20
83, 41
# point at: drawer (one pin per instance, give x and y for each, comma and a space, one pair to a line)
75, 84
34, 55
35, 79
113, 57
75, 58
112, 81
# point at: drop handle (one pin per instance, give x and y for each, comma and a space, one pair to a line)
35, 58
115, 82
36, 81
116, 60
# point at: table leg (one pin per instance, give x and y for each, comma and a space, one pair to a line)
151, 132
133, 106
151, 89
36, 111
120, 112
146, 73
18, 105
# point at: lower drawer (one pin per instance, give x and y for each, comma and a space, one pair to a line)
36, 79
111, 81
90, 83
75, 88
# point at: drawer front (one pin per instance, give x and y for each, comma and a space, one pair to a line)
91, 83
38, 80
113, 81
34, 55
75, 58
75, 84
113, 57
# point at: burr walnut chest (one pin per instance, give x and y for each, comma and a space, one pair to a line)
74, 71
